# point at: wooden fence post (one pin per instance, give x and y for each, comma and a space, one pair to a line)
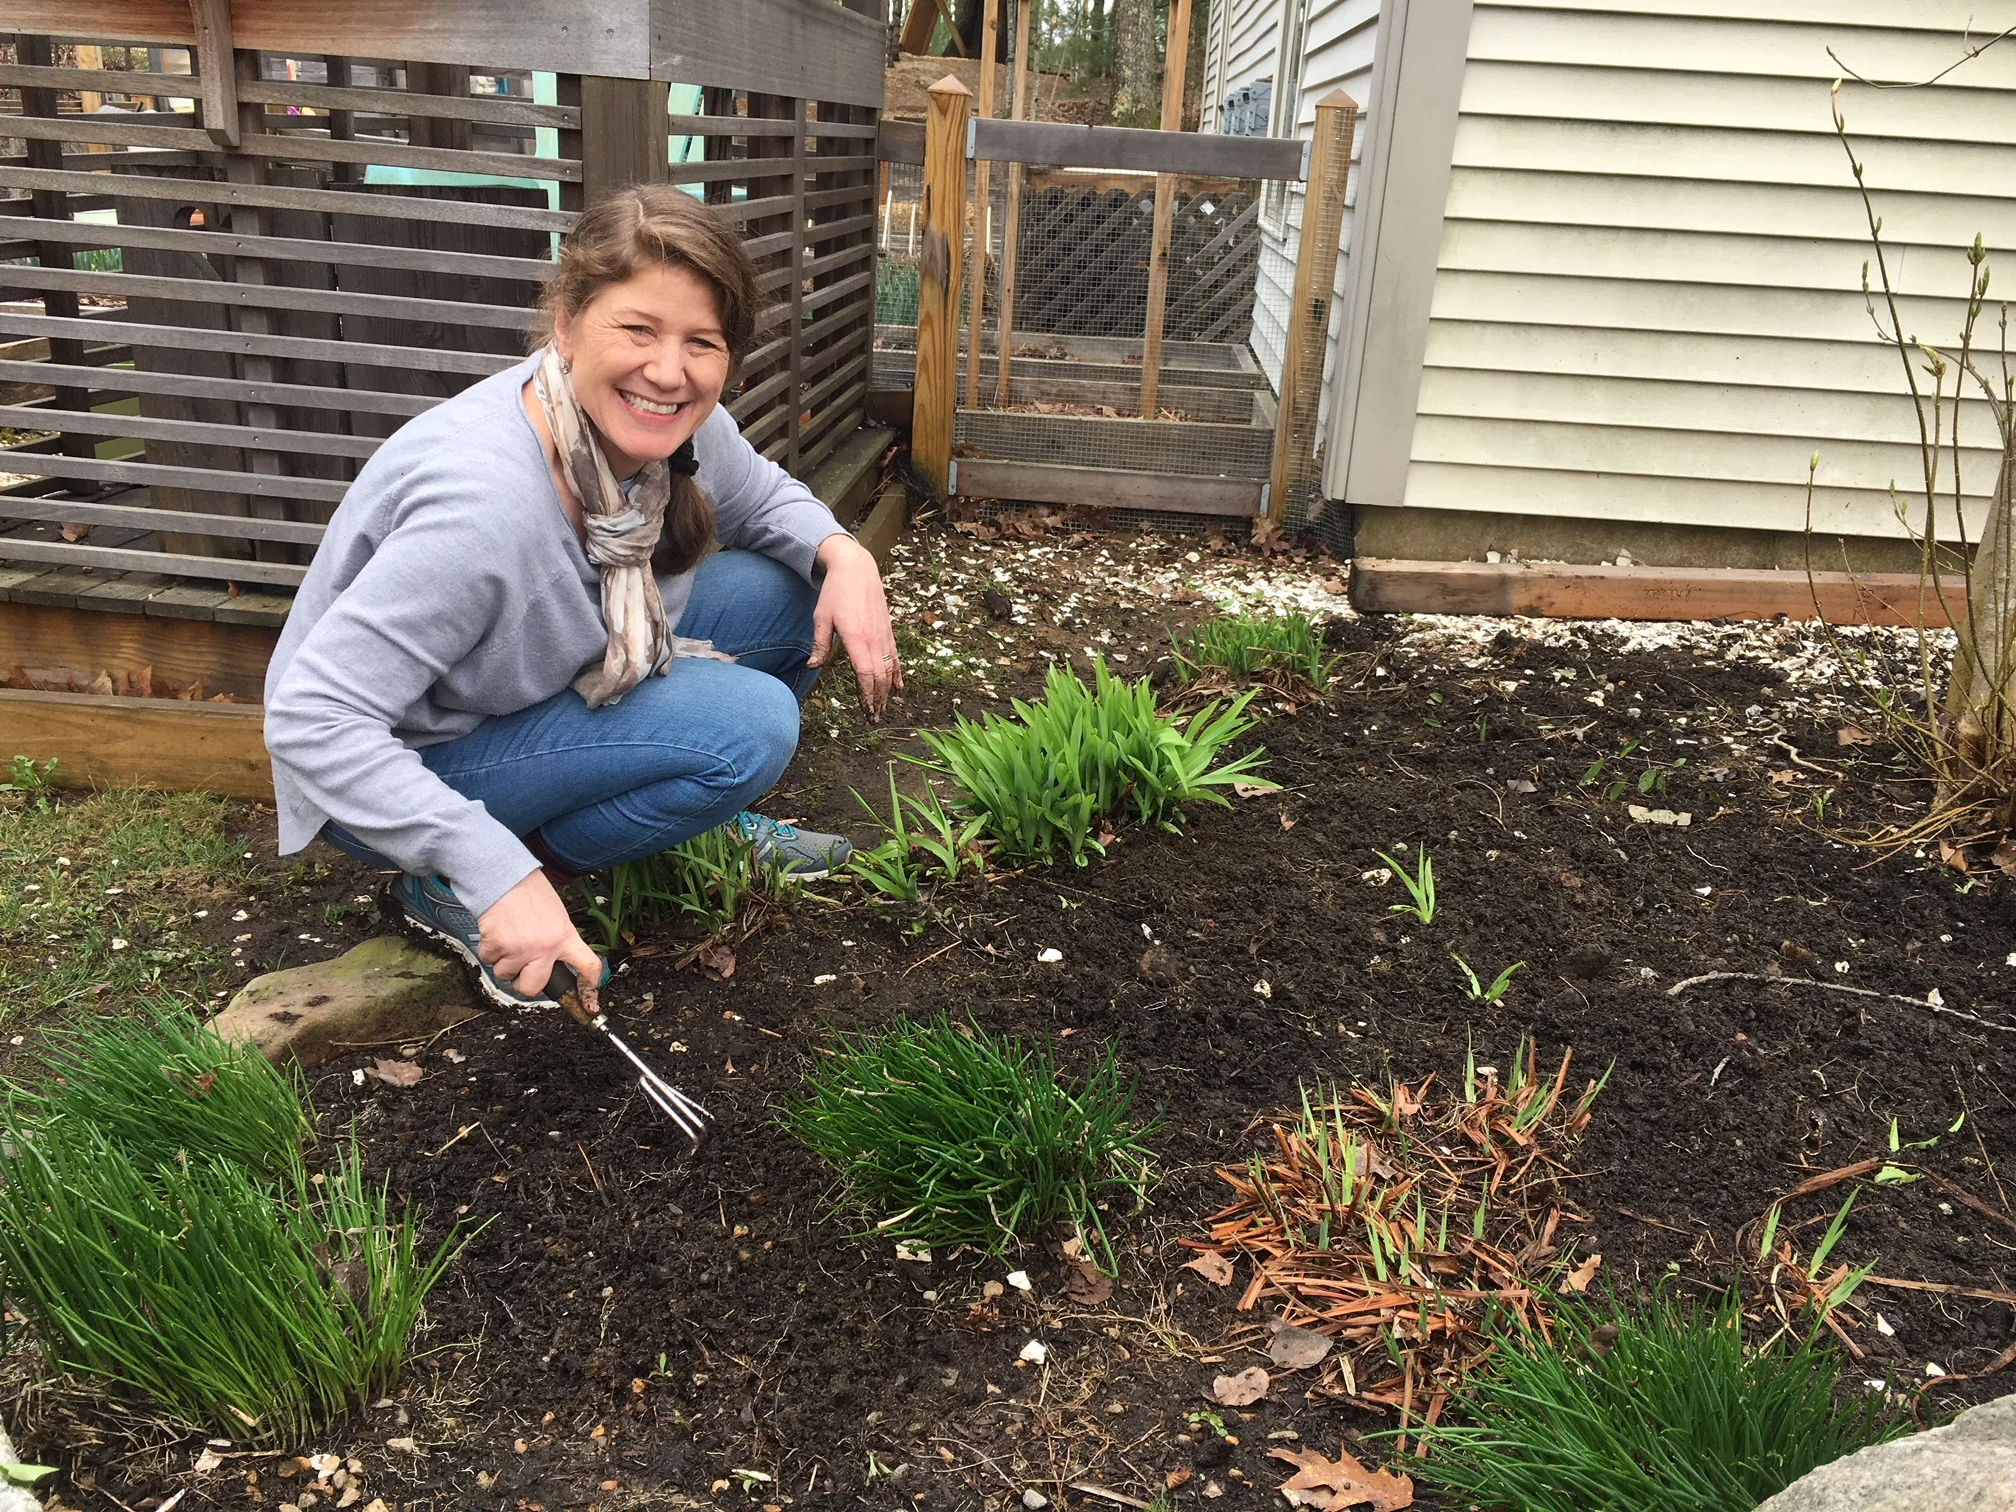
218, 78
1175, 58
976, 277
623, 135
937, 398
1309, 309
1011, 226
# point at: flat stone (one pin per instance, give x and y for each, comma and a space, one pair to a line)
385, 989
14, 1498
1967, 1466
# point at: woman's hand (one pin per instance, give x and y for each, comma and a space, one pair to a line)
526, 931
852, 605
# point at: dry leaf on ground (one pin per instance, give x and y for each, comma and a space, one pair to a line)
1854, 735
1240, 1390
1084, 1284
1298, 1348
1341, 1483
1578, 1279
718, 963
394, 1073
1216, 1269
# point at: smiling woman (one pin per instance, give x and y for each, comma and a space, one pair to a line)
518, 658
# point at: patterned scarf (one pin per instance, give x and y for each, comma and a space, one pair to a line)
622, 531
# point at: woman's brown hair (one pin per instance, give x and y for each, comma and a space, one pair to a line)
619, 237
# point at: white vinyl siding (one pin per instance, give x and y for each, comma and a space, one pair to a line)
1241, 50
1648, 300
1337, 53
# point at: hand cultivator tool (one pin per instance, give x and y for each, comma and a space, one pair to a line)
693, 1120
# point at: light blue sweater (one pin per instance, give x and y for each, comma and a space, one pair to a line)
448, 589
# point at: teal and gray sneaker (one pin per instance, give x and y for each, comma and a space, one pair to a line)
428, 907
804, 855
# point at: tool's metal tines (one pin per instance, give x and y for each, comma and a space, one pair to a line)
668, 1099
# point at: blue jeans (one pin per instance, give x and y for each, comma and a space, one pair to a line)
678, 755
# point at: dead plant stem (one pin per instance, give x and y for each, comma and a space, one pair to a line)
1893, 997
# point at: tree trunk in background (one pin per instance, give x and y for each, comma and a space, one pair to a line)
1193, 74
1981, 696
1137, 96
972, 15
1098, 37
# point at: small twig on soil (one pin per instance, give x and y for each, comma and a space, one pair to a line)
2000, 1362
590, 1164
408, 1039
460, 1134
1894, 997
1105, 1493
992, 1463
1842, 1334
1962, 1195
1946, 1288
1834, 1177
933, 956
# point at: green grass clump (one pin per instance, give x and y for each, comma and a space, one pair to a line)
1241, 647
97, 892
233, 1306
1044, 780
921, 843
162, 1086
161, 1231
1662, 1408
708, 881
961, 1137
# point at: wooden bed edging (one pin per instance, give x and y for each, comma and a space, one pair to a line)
1568, 591
145, 742
1104, 487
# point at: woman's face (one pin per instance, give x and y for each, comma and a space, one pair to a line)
649, 361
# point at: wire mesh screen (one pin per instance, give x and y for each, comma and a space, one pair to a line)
1083, 244
1124, 319
1082, 256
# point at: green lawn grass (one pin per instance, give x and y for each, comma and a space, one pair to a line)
98, 892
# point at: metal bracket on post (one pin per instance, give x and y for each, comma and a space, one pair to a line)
972, 138
951, 478
1307, 148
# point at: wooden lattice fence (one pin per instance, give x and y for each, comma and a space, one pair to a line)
220, 290
1082, 263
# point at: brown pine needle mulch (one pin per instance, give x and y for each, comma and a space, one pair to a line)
1394, 1223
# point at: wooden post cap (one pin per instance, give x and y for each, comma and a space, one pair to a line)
949, 85
1336, 100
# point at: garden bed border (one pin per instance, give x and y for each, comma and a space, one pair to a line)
1563, 590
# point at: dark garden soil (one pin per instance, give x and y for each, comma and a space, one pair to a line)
639, 1325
